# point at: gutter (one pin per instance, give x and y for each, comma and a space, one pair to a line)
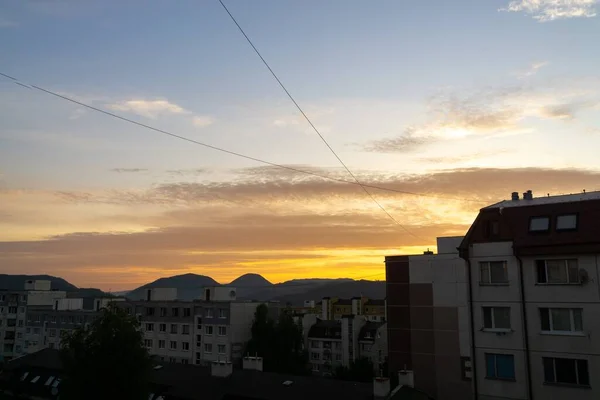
525, 328
472, 326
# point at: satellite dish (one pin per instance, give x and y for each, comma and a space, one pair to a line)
232, 294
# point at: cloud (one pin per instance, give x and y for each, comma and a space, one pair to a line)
7, 23
125, 170
202, 121
550, 10
148, 108
532, 70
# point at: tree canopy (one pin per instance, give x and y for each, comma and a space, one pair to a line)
106, 360
280, 343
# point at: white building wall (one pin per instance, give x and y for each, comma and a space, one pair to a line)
44, 297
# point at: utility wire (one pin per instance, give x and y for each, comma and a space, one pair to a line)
282, 166
312, 125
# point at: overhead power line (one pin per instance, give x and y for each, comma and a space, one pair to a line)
233, 153
313, 125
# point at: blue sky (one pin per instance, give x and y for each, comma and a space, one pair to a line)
402, 90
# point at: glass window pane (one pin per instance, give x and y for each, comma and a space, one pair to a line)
545, 319
490, 365
565, 370
539, 224
566, 221
484, 269
487, 317
505, 366
561, 319
573, 271
557, 271
549, 370
498, 272
502, 317
577, 319
541, 271
583, 373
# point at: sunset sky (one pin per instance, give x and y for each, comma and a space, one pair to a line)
461, 101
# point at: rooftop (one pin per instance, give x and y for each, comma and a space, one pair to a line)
536, 201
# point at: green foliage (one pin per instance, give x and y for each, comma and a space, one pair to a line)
279, 343
106, 360
360, 370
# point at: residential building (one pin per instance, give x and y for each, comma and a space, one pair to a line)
428, 320
373, 344
334, 308
535, 286
14, 306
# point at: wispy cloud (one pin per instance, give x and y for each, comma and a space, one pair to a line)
128, 170
532, 69
550, 10
7, 23
202, 121
149, 108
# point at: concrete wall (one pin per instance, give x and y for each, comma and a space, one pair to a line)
44, 297
38, 285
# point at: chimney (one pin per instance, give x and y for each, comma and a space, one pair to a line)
528, 195
253, 363
428, 252
221, 369
381, 387
515, 196
406, 378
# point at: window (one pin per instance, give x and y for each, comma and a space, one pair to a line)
198, 357
172, 360
173, 345
208, 330
496, 317
161, 344
185, 346
315, 356
173, 328
314, 344
163, 311
493, 272
27, 330
222, 331
566, 222
499, 366
222, 313
185, 329
221, 349
566, 371
175, 312
12, 310
148, 343
184, 361
187, 312
198, 340
51, 345
162, 327
20, 323
19, 335
557, 272
338, 345
561, 319
149, 327
338, 357
539, 224
207, 347
208, 313
52, 332
149, 311
199, 323
36, 331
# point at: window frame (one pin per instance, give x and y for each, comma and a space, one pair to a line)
224, 349
572, 323
576, 362
540, 231
493, 328
489, 273
546, 275
496, 377
222, 328
208, 328
171, 347
208, 346
576, 215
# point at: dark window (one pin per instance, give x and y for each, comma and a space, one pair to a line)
566, 371
496, 317
175, 312
493, 272
561, 319
557, 271
149, 311
500, 366
187, 312
539, 224
567, 222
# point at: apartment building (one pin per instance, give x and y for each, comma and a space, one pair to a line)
337, 343
212, 328
334, 308
535, 286
14, 305
428, 320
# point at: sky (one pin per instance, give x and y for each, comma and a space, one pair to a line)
457, 102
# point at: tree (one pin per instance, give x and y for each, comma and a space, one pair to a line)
360, 370
280, 344
106, 360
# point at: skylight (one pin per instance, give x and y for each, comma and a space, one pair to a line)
49, 381
34, 380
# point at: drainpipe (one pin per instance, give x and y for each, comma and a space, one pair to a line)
525, 328
472, 323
